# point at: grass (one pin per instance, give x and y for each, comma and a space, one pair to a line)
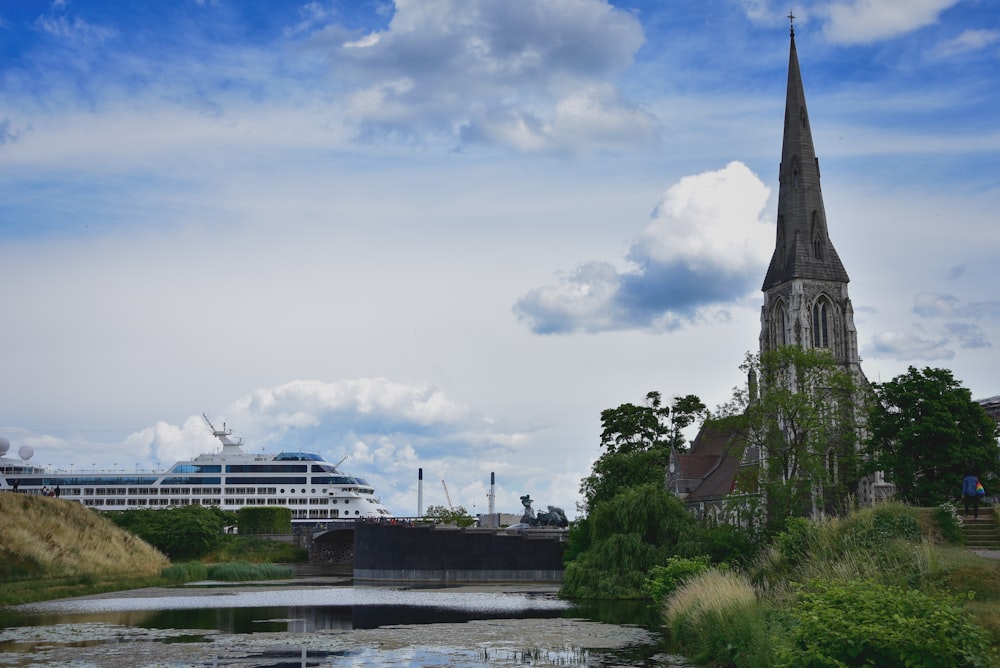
44, 537
51, 548
886, 560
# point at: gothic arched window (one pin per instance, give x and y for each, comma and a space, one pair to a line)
822, 312
779, 325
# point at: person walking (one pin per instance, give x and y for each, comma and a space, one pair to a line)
970, 494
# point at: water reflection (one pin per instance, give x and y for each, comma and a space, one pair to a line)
327, 626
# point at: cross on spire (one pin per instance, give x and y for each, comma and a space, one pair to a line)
791, 20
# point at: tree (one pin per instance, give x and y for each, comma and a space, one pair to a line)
926, 433
626, 536
804, 426
441, 515
637, 442
185, 532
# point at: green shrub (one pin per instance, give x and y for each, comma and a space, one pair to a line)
859, 623
884, 522
794, 542
664, 580
264, 519
255, 549
948, 523
723, 544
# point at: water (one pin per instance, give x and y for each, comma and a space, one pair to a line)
312, 623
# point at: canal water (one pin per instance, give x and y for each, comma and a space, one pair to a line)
325, 622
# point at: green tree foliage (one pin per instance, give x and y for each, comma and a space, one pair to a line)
804, 422
628, 535
637, 441
264, 519
457, 515
186, 532
926, 434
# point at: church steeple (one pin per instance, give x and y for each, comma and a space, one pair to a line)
803, 248
805, 288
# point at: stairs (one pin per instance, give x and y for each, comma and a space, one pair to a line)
982, 533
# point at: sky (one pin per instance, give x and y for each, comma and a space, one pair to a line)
447, 234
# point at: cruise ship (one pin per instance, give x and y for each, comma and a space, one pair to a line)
315, 490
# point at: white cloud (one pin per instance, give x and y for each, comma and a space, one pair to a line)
705, 245
535, 77
969, 41
866, 21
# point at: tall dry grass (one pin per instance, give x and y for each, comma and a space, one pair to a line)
716, 617
48, 537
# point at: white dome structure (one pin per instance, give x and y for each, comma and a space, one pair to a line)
25, 452
4, 446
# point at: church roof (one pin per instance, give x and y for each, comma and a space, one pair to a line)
713, 460
803, 248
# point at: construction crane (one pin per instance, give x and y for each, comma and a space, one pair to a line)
447, 495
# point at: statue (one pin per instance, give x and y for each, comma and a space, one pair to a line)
529, 514
555, 517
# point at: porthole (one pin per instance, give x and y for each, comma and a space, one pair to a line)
357, 512
282, 490
347, 501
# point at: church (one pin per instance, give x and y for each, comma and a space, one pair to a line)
806, 304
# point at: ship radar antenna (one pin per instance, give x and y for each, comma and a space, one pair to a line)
223, 434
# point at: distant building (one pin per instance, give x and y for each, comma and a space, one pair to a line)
992, 407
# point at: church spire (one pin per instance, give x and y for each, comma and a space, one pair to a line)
805, 289
803, 248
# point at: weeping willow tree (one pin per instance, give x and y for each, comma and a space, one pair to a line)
625, 537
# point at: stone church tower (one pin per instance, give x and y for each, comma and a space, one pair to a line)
805, 289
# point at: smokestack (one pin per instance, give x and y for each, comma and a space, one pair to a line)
493, 498
420, 492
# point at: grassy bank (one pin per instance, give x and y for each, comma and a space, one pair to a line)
878, 587
50, 548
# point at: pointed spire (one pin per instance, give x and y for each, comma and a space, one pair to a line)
803, 248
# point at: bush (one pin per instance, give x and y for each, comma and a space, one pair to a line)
948, 522
725, 544
794, 542
664, 580
858, 623
264, 519
885, 522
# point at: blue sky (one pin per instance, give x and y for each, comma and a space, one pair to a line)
448, 234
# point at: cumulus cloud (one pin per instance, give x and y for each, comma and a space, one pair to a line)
867, 21
529, 76
705, 245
